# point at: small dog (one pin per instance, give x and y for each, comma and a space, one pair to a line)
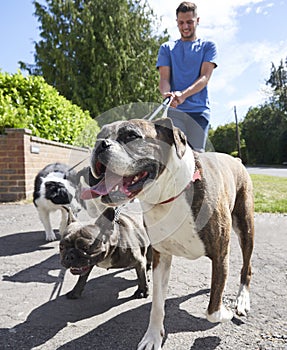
190, 203
55, 186
116, 240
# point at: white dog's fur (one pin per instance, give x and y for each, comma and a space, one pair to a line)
44, 201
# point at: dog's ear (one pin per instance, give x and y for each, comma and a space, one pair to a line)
167, 132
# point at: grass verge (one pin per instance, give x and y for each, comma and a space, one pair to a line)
270, 193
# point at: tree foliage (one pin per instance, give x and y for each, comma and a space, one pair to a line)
265, 126
224, 138
263, 129
98, 53
29, 102
278, 81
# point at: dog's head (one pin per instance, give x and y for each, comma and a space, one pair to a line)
57, 192
83, 246
130, 156
60, 191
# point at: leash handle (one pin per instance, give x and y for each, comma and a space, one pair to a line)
166, 103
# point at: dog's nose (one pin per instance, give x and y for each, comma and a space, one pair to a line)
106, 143
101, 146
70, 257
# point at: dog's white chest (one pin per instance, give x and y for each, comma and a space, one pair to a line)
172, 230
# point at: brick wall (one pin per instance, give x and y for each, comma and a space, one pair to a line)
23, 155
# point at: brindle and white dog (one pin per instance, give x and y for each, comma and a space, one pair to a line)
190, 201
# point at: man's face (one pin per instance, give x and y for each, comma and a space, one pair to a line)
187, 23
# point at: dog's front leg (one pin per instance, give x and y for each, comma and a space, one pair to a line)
76, 292
44, 216
155, 332
216, 311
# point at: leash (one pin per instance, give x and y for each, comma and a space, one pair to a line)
166, 104
59, 284
80, 162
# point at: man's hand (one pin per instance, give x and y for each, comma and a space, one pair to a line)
178, 99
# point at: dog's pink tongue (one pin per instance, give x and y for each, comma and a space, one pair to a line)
103, 187
99, 190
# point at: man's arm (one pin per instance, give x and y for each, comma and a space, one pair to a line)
205, 74
164, 81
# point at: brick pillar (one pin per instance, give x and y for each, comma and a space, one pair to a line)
12, 165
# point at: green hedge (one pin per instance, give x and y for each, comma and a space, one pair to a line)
29, 102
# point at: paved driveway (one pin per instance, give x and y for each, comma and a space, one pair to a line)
35, 314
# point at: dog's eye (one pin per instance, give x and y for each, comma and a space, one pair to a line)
82, 245
131, 136
84, 252
85, 248
126, 135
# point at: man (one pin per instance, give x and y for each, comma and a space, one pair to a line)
185, 67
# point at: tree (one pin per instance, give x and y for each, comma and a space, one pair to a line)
278, 81
263, 130
265, 127
98, 53
224, 138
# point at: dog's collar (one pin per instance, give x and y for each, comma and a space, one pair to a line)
196, 176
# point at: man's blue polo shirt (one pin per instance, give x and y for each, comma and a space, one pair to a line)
185, 59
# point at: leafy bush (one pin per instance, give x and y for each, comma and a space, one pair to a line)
29, 102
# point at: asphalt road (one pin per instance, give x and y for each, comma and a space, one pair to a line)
282, 172
35, 314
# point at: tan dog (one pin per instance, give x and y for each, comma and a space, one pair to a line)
190, 201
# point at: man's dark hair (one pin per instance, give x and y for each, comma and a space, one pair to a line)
186, 7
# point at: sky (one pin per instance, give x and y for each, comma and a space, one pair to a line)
250, 36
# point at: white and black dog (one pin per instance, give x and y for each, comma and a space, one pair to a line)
55, 186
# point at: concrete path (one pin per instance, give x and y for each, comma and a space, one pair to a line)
35, 314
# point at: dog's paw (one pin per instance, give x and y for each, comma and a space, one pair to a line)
140, 294
50, 236
242, 304
152, 340
222, 315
